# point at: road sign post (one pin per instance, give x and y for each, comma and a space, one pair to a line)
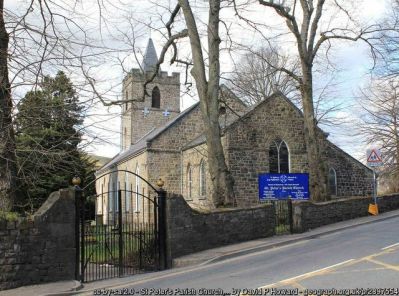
374, 159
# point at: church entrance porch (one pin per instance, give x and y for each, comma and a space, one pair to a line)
119, 241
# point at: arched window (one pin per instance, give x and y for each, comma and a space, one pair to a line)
156, 98
137, 210
332, 181
190, 182
110, 196
279, 157
127, 193
126, 98
202, 180
116, 198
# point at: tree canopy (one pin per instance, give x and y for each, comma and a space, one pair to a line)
47, 139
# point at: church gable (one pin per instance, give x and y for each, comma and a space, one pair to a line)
270, 139
183, 130
276, 117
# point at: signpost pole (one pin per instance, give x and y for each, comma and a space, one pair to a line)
374, 160
374, 187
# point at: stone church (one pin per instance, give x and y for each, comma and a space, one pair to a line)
160, 141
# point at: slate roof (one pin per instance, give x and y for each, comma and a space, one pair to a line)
150, 57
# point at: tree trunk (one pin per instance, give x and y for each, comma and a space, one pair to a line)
7, 139
317, 171
208, 92
396, 157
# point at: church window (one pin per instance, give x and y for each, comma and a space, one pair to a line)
156, 98
126, 98
127, 193
222, 110
332, 181
111, 193
137, 210
279, 157
190, 182
116, 197
100, 203
202, 181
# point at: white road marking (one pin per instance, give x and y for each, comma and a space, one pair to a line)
308, 273
388, 247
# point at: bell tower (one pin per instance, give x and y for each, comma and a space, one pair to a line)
160, 105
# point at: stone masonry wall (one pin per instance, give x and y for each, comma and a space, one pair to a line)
190, 231
353, 178
249, 139
42, 249
308, 215
193, 158
164, 158
169, 87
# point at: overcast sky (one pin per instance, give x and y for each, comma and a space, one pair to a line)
352, 60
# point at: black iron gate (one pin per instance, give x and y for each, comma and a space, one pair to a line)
283, 214
127, 234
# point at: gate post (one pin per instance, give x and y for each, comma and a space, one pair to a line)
290, 217
162, 224
78, 195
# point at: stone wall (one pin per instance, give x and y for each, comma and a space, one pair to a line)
353, 178
249, 139
190, 231
140, 125
308, 215
193, 158
41, 249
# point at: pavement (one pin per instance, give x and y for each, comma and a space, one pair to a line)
197, 259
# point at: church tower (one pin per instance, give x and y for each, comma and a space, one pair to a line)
161, 105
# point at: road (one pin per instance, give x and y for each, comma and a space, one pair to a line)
365, 256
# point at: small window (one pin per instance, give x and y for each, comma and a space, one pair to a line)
126, 98
202, 181
156, 98
190, 182
116, 195
110, 196
279, 157
222, 110
127, 193
332, 182
137, 210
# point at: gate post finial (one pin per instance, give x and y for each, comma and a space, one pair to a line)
76, 181
160, 183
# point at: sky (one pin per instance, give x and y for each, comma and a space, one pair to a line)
111, 29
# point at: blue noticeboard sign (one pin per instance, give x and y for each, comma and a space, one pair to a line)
283, 186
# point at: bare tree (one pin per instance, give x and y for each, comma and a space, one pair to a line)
256, 76
388, 61
303, 19
37, 38
380, 124
207, 84
205, 69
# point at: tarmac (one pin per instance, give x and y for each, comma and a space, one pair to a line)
73, 287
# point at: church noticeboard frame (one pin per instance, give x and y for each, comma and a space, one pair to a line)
283, 186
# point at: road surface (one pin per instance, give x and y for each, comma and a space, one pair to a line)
365, 256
